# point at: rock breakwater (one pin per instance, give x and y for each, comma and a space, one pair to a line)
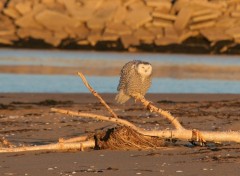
197, 26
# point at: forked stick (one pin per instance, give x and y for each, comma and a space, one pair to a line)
96, 94
182, 134
165, 114
98, 117
146, 103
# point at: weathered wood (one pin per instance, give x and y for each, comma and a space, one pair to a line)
57, 146
97, 95
179, 133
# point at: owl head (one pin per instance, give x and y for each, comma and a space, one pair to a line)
144, 68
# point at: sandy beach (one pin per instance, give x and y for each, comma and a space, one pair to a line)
193, 48
95, 68
26, 120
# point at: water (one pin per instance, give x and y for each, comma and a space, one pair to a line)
73, 84
70, 84
78, 58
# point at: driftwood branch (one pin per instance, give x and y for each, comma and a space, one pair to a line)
173, 120
146, 103
98, 117
182, 134
96, 95
79, 143
57, 146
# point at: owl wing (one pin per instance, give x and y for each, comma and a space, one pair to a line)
146, 85
126, 73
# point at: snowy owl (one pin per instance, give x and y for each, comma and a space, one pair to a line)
135, 80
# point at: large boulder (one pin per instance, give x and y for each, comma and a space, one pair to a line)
55, 21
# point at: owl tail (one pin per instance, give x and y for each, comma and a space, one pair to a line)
121, 97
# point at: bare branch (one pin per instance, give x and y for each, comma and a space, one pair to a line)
96, 95
182, 134
75, 139
79, 143
57, 146
165, 114
97, 117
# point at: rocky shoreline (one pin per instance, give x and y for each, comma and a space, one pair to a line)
180, 26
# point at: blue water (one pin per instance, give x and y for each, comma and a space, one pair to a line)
10, 83
70, 84
75, 58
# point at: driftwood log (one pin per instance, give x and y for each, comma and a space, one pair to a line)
127, 135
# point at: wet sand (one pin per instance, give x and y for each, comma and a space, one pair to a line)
25, 119
95, 68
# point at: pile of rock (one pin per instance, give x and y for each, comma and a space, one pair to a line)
132, 22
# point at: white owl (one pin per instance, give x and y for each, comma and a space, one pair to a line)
135, 80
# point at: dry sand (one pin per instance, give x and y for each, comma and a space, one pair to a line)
25, 119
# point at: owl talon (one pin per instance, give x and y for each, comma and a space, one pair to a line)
197, 137
137, 96
148, 106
